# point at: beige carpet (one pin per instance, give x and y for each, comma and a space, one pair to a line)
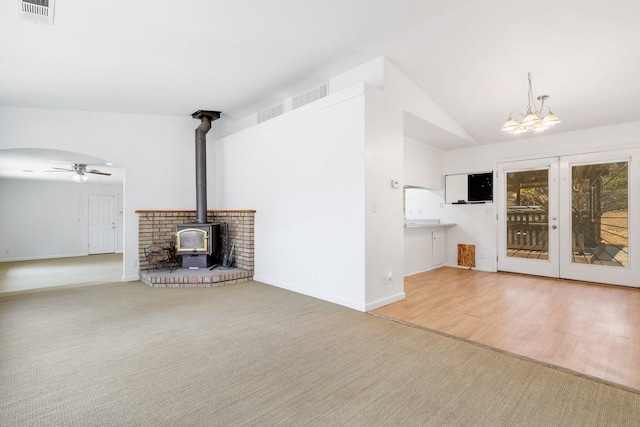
71, 271
124, 354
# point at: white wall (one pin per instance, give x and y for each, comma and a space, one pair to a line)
46, 219
157, 153
477, 224
40, 219
422, 203
303, 172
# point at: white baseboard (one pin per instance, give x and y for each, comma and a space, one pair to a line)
35, 258
385, 301
470, 268
131, 278
325, 297
421, 270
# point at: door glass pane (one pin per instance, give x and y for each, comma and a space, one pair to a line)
600, 214
527, 214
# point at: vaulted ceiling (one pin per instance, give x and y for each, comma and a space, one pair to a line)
470, 57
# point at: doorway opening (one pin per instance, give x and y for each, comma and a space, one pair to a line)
48, 220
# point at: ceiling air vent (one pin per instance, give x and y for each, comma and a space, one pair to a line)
270, 112
36, 10
311, 95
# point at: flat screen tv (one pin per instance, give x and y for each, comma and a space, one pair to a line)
480, 187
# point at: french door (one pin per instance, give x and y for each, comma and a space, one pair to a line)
574, 217
528, 237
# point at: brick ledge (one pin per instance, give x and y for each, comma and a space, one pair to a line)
200, 278
190, 211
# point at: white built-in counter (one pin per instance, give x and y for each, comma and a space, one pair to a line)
412, 223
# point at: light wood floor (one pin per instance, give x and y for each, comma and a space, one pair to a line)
588, 328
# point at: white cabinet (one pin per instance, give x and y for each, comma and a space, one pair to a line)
437, 247
424, 248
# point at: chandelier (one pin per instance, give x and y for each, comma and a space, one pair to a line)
534, 120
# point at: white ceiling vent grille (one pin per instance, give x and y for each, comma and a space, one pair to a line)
36, 10
311, 95
270, 112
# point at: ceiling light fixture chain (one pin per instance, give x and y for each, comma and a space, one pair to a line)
535, 119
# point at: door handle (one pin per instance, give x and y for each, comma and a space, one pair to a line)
554, 226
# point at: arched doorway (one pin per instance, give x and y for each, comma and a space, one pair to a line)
45, 223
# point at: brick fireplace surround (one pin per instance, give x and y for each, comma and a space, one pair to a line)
157, 227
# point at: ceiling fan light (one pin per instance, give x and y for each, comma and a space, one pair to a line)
79, 178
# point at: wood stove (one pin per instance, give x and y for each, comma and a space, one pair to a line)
198, 244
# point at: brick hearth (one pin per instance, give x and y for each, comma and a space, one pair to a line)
159, 227
201, 278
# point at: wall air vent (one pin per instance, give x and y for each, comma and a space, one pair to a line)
36, 10
270, 112
311, 95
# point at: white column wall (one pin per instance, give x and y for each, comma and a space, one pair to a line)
303, 173
383, 204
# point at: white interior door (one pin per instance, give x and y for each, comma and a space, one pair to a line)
102, 224
528, 217
574, 217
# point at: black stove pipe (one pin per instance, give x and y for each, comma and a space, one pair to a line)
206, 117
201, 170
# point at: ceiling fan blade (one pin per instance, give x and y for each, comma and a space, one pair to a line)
61, 170
96, 172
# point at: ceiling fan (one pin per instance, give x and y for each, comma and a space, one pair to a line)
80, 170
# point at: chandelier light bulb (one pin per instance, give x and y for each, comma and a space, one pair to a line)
510, 125
550, 119
530, 120
539, 127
